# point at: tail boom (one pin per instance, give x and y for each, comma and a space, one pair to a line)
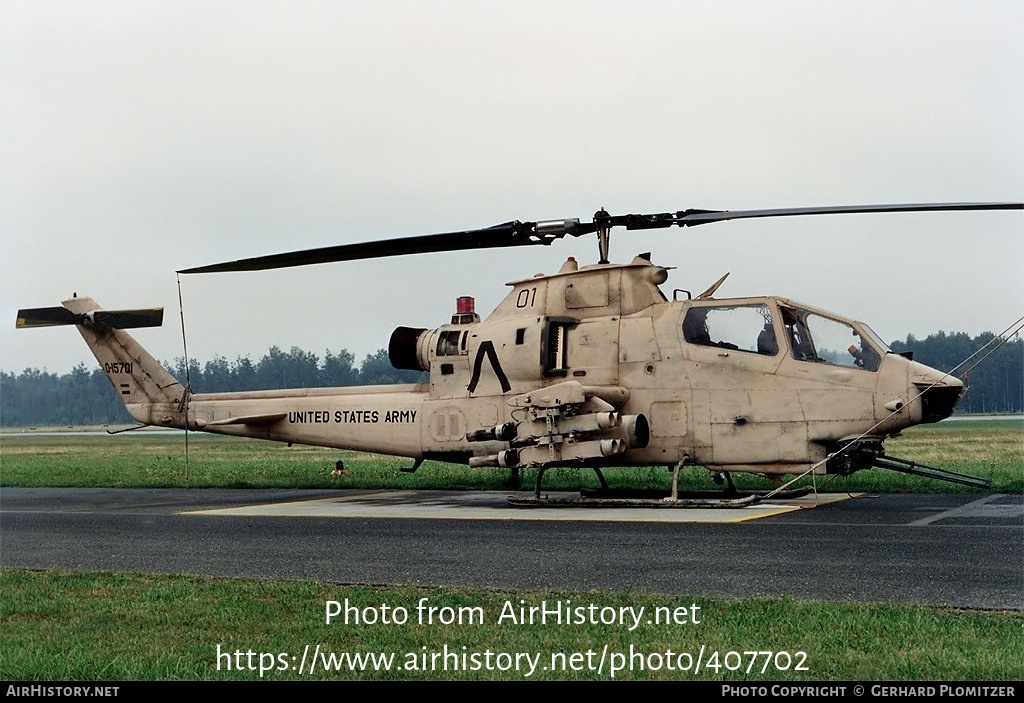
365, 418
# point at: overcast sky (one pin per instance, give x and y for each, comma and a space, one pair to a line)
139, 138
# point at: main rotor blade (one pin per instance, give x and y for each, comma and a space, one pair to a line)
689, 218
508, 234
516, 233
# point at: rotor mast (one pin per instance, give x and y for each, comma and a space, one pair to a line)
603, 227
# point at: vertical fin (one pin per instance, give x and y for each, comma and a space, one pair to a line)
138, 378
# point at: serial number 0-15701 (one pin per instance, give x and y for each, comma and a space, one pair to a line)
118, 367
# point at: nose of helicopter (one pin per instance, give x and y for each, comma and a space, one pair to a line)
940, 392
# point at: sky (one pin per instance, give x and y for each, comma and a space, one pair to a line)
137, 139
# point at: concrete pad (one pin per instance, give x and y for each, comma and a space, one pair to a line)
493, 505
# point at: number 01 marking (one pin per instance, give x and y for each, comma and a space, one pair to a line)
526, 298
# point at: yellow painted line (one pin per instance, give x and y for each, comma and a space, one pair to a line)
798, 504
492, 505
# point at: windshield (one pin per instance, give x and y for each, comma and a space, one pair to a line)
875, 339
814, 337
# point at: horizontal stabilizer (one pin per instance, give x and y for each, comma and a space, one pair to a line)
264, 419
117, 319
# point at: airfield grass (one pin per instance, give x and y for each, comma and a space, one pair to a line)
101, 626
990, 449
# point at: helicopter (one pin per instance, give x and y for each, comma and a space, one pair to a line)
592, 366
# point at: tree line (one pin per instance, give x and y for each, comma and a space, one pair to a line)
994, 375
85, 396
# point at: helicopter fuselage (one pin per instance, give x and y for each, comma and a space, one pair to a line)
593, 366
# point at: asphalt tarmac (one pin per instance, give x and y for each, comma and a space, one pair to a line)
962, 550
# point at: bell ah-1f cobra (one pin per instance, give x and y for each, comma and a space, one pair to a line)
592, 366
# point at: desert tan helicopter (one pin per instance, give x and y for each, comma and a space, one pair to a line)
592, 366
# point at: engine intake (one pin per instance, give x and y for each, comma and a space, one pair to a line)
403, 349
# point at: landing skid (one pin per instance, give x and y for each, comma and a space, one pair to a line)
606, 497
598, 499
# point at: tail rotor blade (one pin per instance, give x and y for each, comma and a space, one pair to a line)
117, 319
130, 319
47, 317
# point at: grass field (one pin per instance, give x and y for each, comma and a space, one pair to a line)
124, 627
992, 449
100, 626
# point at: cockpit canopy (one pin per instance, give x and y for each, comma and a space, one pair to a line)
762, 328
